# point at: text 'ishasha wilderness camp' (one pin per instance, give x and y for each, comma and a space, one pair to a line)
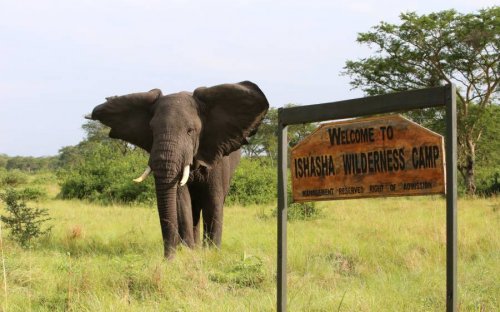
368, 157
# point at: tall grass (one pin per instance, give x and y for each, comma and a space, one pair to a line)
362, 255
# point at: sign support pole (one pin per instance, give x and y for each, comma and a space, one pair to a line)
282, 214
451, 199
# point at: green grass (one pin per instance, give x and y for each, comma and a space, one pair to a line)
361, 255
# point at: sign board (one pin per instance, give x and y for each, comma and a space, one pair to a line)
354, 171
368, 157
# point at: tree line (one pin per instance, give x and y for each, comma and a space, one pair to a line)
28, 164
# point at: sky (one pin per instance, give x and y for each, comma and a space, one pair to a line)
59, 59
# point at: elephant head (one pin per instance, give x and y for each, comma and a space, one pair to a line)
181, 130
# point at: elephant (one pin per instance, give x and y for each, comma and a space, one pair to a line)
194, 141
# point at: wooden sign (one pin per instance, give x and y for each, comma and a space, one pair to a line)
368, 157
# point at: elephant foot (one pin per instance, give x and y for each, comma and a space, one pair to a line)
169, 253
210, 243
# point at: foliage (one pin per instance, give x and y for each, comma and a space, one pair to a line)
44, 178
433, 50
488, 182
265, 141
488, 157
3, 160
102, 169
303, 211
13, 178
31, 193
96, 134
254, 182
105, 175
25, 223
28, 164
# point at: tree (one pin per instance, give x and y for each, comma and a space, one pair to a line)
30, 164
434, 50
265, 141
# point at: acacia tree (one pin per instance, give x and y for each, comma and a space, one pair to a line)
434, 50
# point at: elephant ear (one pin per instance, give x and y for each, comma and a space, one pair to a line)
231, 114
128, 116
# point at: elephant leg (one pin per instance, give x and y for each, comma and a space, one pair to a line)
208, 193
184, 216
196, 205
207, 200
196, 226
212, 220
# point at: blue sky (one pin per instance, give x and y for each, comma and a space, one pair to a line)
58, 59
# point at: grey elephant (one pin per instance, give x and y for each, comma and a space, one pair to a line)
194, 141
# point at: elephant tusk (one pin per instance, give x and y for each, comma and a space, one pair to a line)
185, 175
144, 175
88, 116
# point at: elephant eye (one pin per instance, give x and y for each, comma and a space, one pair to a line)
190, 131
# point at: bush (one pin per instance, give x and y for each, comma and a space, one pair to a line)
488, 182
25, 223
13, 178
44, 178
129, 191
32, 193
254, 182
301, 211
105, 175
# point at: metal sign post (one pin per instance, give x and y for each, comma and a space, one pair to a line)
395, 102
451, 199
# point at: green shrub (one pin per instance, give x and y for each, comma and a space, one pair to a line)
254, 182
105, 175
14, 178
129, 191
43, 178
32, 193
25, 223
488, 182
301, 211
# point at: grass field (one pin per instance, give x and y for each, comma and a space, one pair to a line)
361, 255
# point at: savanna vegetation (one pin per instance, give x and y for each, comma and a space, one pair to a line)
353, 255
78, 235
102, 252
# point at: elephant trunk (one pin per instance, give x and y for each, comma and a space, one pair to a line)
167, 164
166, 196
